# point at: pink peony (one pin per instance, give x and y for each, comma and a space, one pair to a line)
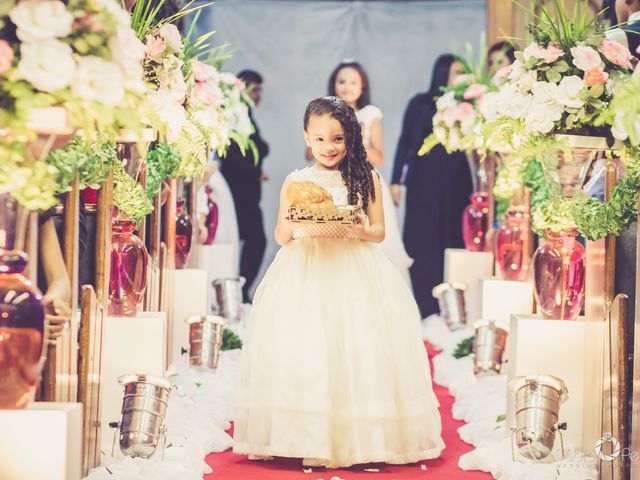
203, 72
154, 46
616, 53
475, 90
595, 76
240, 84
6, 56
586, 58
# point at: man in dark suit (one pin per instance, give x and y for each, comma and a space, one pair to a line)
244, 175
628, 13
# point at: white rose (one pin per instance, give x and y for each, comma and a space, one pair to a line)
517, 69
454, 140
545, 93
448, 100
489, 106
126, 49
440, 133
526, 80
541, 118
618, 129
171, 36
570, 90
170, 113
40, 20
99, 80
238, 119
513, 103
47, 64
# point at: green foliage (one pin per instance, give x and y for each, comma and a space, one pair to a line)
230, 341
163, 162
464, 348
128, 195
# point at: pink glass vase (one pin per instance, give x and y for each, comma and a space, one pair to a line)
184, 232
21, 313
128, 269
475, 221
212, 217
513, 245
559, 267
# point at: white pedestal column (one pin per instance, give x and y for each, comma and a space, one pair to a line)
468, 267
571, 351
502, 298
190, 298
41, 442
129, 345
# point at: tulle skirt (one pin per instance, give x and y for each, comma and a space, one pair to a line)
334, 367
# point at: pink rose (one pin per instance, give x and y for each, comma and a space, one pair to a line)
240, 84
475, 90
586, 57
462, 111
202, 94
595, 76
616, 53
203, 72
502, 75
154, 47
545, 55
6, 56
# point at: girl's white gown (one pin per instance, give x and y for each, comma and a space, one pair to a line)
392, 245
333, 366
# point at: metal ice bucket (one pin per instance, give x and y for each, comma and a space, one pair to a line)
452, 307
144, 405
205, 340
488, 346
537, 401
229, 297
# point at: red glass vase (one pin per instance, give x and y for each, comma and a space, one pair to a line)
475, 221
559, 268
513, 245
128, 269
21, 313
212, 217
184, 232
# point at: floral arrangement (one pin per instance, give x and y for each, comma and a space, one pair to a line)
563, 81
574, 80
79, 55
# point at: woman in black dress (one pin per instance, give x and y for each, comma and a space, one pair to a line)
438, 189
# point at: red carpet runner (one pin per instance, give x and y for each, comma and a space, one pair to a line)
227, 466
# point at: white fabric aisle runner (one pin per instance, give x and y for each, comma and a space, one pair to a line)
480, 402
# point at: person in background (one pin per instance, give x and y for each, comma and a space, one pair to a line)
628, 15
438, 188
499, 56
244, 175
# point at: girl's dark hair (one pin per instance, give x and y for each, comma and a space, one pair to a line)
506, 47
365, 97
440, 74
355, 168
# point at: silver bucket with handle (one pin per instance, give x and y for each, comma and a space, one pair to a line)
205, 341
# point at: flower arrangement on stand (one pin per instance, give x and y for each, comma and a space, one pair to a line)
553, 107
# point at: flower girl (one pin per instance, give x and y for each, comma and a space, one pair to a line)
334, 370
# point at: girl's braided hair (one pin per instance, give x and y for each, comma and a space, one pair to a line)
355, 168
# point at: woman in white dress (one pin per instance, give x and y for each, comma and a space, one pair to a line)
350, 82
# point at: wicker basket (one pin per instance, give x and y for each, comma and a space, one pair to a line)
322, 222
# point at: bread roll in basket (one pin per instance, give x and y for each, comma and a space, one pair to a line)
312, 208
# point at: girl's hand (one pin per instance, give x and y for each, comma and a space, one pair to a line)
57, 317
396, 193
359, 228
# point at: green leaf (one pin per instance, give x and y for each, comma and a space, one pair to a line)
464, 348
553, 76
596, 91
